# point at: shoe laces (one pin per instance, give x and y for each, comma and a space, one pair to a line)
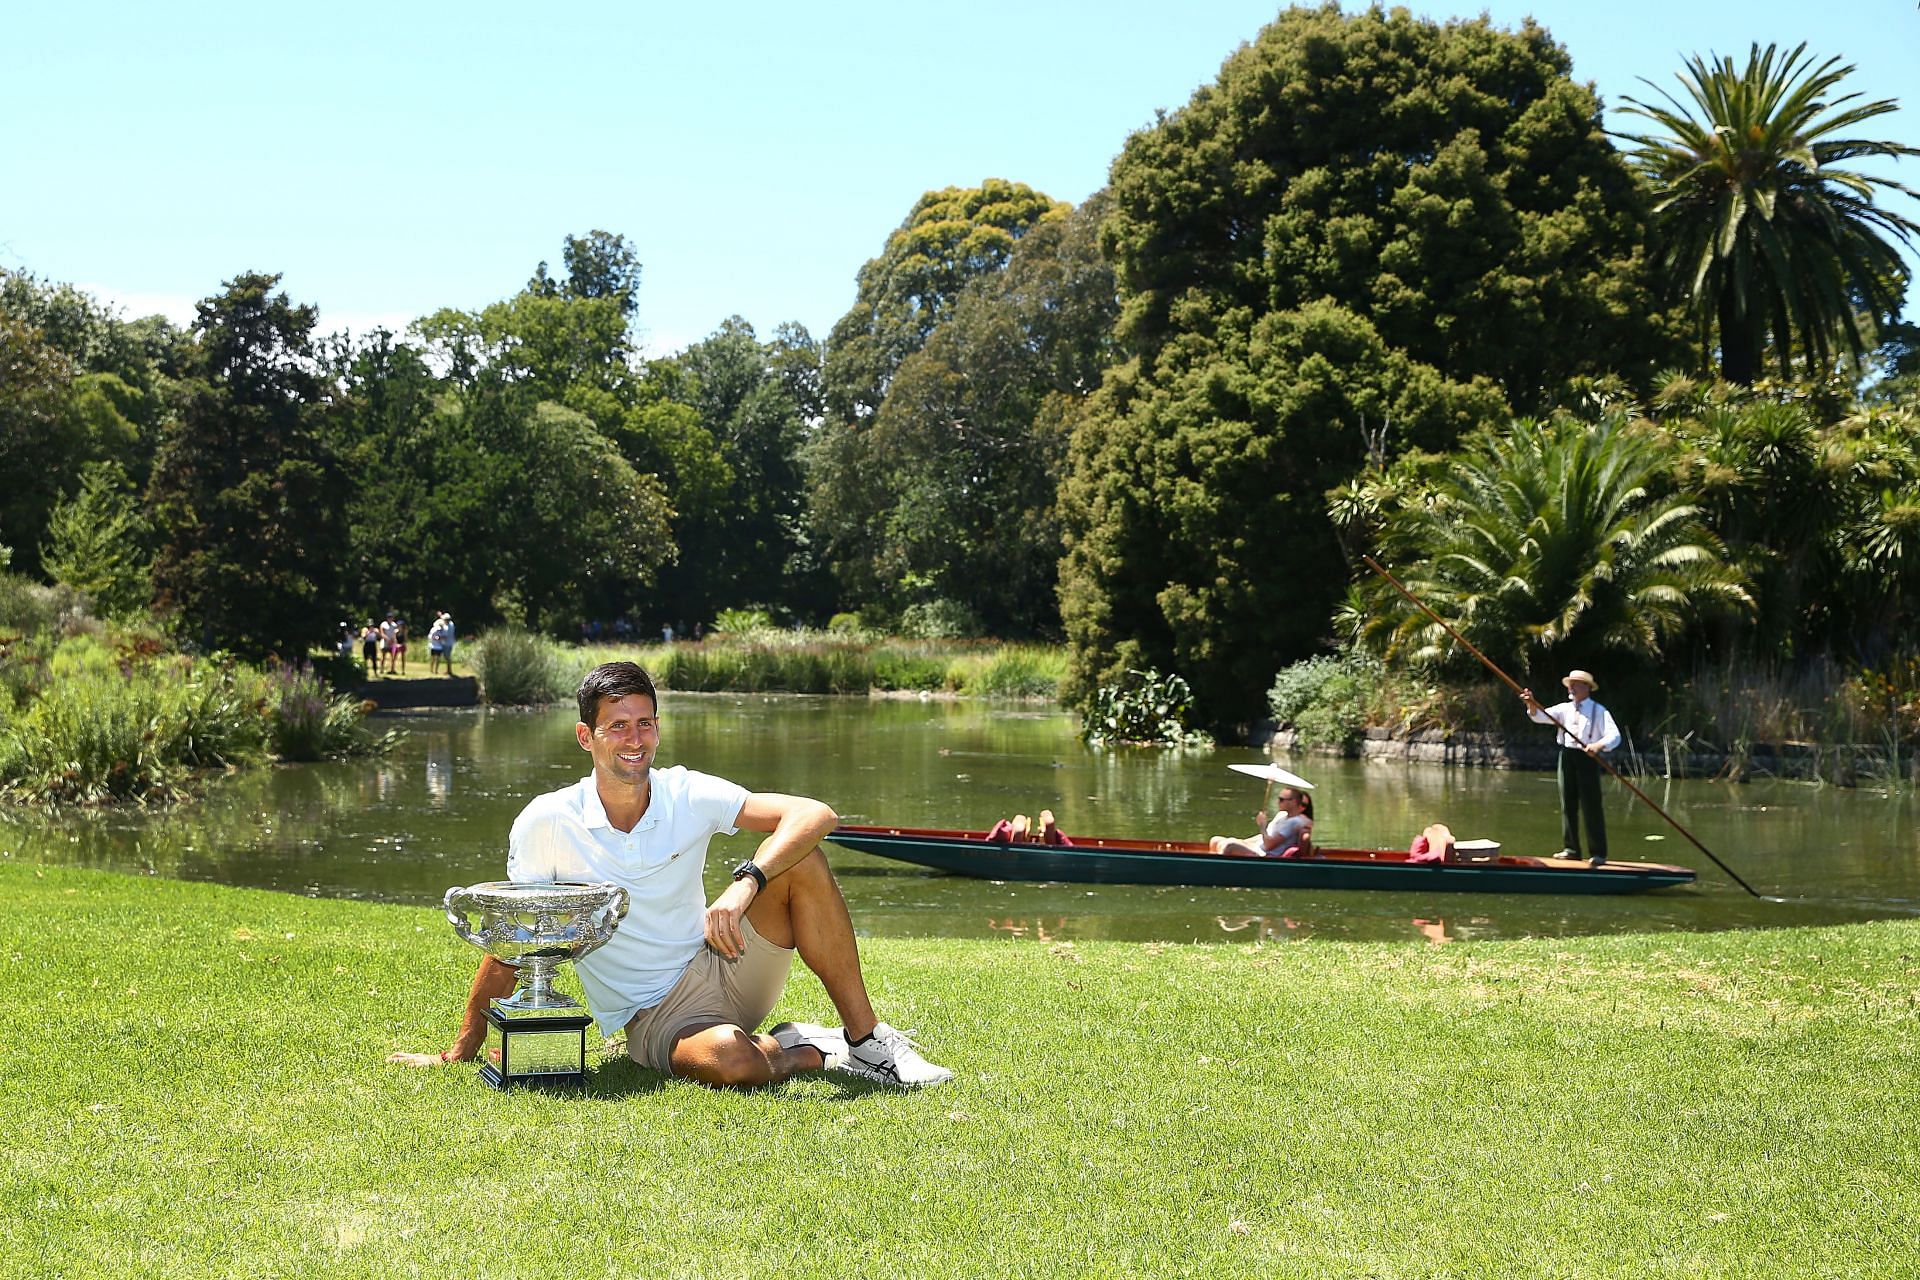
896, 1040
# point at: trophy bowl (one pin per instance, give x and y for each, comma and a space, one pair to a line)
536, 1034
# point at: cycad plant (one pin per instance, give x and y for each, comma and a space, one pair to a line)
1760, 218
1553, 543
1773, 486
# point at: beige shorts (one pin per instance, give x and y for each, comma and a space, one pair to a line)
713, 989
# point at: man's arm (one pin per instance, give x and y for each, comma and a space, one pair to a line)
1609, 732
795, 827
494, 980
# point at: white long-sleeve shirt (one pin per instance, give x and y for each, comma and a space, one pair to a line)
1582, 724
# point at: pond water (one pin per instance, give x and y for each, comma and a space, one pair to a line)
436, 812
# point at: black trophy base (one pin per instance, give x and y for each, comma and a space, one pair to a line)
549, 1051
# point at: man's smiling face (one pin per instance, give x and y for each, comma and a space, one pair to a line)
623, 739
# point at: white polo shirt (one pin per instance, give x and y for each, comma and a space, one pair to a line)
565, 835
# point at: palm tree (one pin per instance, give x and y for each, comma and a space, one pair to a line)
1757, 220
1551, 541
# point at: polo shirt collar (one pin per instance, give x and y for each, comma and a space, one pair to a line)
594, 814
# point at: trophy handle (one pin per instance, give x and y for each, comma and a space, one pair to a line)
454, 905
613, 912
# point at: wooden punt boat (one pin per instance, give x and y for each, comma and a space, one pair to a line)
1170, 862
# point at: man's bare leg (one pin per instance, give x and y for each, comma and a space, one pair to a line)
725, 1056
802, 908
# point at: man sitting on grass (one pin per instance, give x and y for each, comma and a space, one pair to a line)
688, 982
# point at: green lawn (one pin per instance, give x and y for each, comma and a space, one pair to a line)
192, 1083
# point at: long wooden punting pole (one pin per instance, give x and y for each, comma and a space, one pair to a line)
1466, 644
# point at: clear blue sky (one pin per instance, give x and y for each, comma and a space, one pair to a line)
394, 158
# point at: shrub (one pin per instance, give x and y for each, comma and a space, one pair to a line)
1143, 707
308, 721
939, 619
517, 668
1887, 698
787, 662
215, 711
28, 607
1328, 701
132, 735
341, 670
1298, 685
901, 669
740, 622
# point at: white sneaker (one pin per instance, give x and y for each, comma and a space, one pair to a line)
889, 1057
830, 1041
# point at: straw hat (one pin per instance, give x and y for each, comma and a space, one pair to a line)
1584, 677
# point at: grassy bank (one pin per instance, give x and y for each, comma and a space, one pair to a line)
97, 713
514, 667
194, 1086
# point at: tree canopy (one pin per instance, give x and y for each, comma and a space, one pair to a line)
949, 493
247, 496
949, 237
1369, 231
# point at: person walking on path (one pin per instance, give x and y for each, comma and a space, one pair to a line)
1585, 730
690, 983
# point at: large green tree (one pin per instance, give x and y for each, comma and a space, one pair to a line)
739, 522
486, 501
1764, 222
247, 496
567, 339
36, 382
1199, 540
78, 386
1370, 232
1449, 183
949, 493
949, 237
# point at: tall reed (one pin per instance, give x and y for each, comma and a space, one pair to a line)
518, 668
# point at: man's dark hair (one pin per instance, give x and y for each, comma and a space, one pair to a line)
612, 680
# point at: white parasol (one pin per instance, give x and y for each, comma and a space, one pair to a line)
1272, 773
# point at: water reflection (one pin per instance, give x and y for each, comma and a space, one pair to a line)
439, 769
436, 813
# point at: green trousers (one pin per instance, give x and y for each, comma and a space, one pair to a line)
1580, 794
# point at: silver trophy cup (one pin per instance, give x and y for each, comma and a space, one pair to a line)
537, 1035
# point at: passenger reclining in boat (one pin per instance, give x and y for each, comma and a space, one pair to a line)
1020, 830
1288, 835
1435, 844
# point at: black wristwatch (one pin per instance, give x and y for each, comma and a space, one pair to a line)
746, 869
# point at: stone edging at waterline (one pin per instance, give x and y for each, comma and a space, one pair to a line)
441, 691
1844, 764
